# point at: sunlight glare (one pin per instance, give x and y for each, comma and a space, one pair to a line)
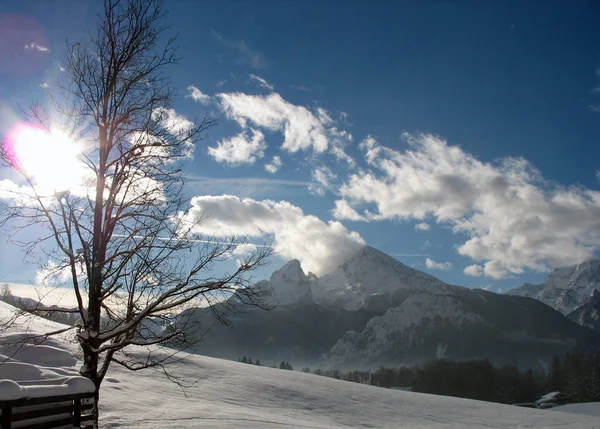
50, 158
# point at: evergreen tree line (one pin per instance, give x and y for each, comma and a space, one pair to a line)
282, 365
577, 376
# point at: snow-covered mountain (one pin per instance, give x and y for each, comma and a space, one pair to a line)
588, 313
469, 324
401, 328
372, 280
374, 310
566, 289
288, 285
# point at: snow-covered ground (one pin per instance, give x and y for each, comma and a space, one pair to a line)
234, 395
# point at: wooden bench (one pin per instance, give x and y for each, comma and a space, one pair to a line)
54, 415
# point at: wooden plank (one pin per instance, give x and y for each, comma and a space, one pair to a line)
50, 425
23, 402
44, 412
59, 423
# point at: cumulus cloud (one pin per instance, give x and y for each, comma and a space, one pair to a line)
474, 270
302, 129
240, 149
262, 82
514, 219
422, 226
318, 245
323, 179
274, 166
197, 95
433, 265
343, 210
36, 47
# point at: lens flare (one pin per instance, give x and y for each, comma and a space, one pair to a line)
49, 158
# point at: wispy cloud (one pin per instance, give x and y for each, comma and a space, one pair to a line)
409, 255
253, 187
44, 85
262, 82
246, 56
36, 47
301, 88
197, 95
323, 179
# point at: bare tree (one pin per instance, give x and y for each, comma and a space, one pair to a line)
119, 237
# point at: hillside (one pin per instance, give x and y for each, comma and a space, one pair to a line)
232, 395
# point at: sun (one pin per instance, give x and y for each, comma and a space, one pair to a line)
49, 157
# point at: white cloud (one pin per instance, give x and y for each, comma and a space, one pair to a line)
368, 143
240, 149
44, 85
274, 166
262, 82
422, 226
36, 47
244, 249
323, 179
302, 128
198, 95
343, 210
513, 217
317, 244
221, 83
432, 265
246, 56
487, 287
339, 140
474, 270
177, 125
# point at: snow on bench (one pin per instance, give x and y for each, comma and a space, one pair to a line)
45, 406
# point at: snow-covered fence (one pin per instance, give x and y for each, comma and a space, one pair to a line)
46, 406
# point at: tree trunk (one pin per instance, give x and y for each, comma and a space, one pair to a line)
90, 370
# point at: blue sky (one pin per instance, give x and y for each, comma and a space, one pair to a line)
461, 132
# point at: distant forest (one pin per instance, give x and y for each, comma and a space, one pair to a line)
576, 376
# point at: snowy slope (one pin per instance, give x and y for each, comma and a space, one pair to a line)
566, 288
373, 280
233, 395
